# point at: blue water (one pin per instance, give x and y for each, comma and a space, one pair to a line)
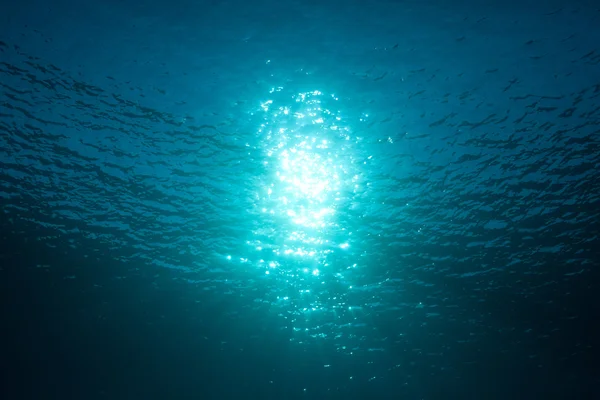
300, 199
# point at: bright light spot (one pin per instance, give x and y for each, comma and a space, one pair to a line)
266, 104
309, 179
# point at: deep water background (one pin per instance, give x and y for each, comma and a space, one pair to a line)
299, 199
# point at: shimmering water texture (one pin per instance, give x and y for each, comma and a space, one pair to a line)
303, 234
372, 225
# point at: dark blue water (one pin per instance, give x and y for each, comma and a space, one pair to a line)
299, 200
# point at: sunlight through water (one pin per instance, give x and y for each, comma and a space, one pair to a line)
302, 241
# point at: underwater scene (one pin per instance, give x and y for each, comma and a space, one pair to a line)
300, 200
